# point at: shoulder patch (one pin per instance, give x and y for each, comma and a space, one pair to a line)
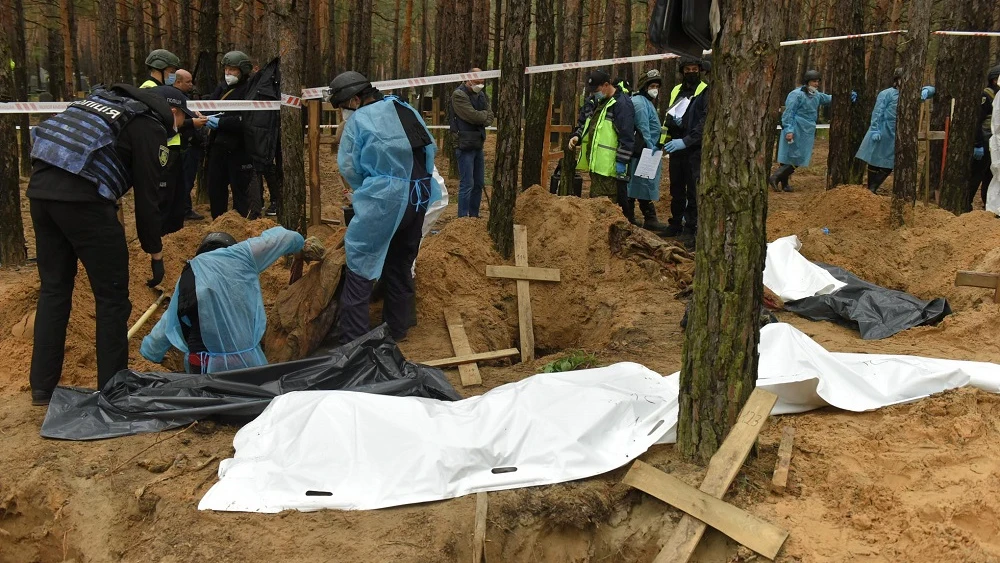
164, 155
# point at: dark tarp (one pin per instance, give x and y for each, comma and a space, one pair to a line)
134, 402
873, 310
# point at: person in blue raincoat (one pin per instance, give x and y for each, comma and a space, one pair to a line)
878, 148
216, 315
647, 134
386, 154
798, 128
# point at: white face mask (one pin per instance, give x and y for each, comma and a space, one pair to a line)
813, 89
477, 88
653, 92
346, 113
232, 79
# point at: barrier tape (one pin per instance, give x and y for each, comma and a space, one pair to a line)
837, 38
196, 105
969, 33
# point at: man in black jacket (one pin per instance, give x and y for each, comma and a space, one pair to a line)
981, 173
470, 115
76, 180
689, 149
229, 164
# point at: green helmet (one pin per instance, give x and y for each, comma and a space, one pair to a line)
161, 59
238, 59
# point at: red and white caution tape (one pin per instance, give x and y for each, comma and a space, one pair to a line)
321, 92
195, 105
838, 38
33, 107
969, 33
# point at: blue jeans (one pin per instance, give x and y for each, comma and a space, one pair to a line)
471, 182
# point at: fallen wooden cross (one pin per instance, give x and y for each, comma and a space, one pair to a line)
780, 479
722, 469
472, 358
979, 279
460, 342
523, 274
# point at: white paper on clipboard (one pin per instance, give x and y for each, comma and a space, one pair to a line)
648, 163
680, 108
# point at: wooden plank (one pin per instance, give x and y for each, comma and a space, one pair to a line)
761, 536
546, 142
524, 319
460, 342
561, 129
976, 279
934, 135
722, 469
522, 273
479, 535
315, 205
780, 479
472, 358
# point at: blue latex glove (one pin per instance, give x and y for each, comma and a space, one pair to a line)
876, 136
927, 92
977, 153
620, 169
854, 96
674, 146
213, 122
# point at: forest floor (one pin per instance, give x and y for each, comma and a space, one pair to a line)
914, 482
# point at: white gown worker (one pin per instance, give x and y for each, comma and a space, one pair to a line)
216, 316
993, 196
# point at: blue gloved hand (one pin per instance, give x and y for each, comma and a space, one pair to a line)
978, 153
675, 145
620, 169
876, 136
213, 122
854, 96
927, 92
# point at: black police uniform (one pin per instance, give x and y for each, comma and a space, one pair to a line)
229, 165
75, 217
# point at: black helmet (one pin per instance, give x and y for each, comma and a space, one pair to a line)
650, 77
215, 241
706, 63
812, 75
240, 60
161, 59
346, 85
688, 61
993, 74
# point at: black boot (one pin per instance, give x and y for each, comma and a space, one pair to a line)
649, 221
876, 176
782, 176
628, 209
772, 180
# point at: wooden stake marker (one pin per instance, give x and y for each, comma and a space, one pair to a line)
722, 469
460, 342
479, 534
980, 279
780, 480
523, 274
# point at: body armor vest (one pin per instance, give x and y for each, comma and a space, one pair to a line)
81, 140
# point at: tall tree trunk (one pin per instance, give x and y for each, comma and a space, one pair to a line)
141, 49
313, 70
352, 26
608, 30
572, 26
719, 366
407, 68
154, 19
208, 43
535, 141
497, 35
624, 34
787, 79
54, 62
332, 66
187, 33
481, 33
70, 63
515, 44
966, 58
363, 38
847, 118
20, 58
904, 186
124, 53
11, 228
593, 29
108, 60
425, 40
293, 19
395, 40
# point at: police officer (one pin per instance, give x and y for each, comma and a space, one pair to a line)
386, 154
607, 140
683, 201
229, 165
982, 175
84, 160
162, 66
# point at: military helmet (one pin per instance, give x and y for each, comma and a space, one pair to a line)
161, 59
650, 77
346, 85
688, 61
238, 59
994, 73
214, 241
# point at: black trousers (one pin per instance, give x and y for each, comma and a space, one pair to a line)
173, 203
90, 232
355, 297
191, 162
229, 170
683, 207
980, 177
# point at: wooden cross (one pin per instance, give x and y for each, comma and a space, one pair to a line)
464, 358
523, 274
703, 507
979, 279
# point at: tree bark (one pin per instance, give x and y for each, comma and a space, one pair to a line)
124, 53
624, 35
54, 62
187, 33
501, 222
363, 38
293, 26
904, 186
68, 21
720, 347
141, 49
208, 43
313, 70
395, 41
787, 71
481, 33
407, 55
425, 40
960, 61
608, 31
572, 27
847, 127
497, 35
108, 60
535, 142
20, 58
12, 251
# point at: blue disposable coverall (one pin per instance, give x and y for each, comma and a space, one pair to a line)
647, 123
799, 118
230, 303
881, 153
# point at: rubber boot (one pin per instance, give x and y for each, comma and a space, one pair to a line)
628, 209
649, 221
783, 174
772, 180
876, 176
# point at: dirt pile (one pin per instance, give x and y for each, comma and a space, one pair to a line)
80, 363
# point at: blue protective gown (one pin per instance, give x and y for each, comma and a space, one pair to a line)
648, 124
882, 153
230, 303
376, 159
801, 112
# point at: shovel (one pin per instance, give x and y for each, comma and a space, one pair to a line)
164, 296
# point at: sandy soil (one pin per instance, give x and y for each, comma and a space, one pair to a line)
916, 482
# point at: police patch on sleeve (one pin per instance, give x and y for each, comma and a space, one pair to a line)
164, 155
